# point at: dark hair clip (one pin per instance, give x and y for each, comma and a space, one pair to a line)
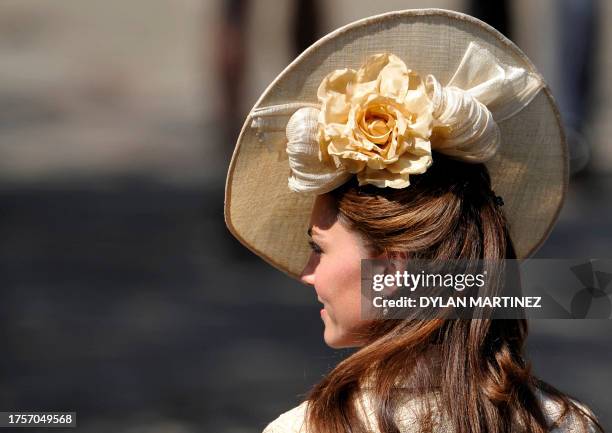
499, 201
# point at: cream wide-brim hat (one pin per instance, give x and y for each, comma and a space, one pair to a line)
529, 171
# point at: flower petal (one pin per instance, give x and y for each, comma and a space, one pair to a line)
410, 163
335, 108
338, 81
394, 78
383, 178
372, 67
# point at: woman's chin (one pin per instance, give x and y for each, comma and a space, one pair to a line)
336, 341
331, 339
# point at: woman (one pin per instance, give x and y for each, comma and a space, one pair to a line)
390, 163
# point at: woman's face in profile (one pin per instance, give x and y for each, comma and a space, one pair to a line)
334, 269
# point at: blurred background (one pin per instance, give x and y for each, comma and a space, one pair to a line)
122, 295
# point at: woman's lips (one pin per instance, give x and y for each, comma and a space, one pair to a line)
323, 311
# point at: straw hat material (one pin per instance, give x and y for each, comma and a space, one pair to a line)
529, 169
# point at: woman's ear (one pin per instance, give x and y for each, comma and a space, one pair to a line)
398, 255
395, 263
390, 255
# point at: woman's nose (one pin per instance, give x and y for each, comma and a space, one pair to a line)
307, 275
307, 278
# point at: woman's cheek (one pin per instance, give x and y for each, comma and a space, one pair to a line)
324, 283
348, 299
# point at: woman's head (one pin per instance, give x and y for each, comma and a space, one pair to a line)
447, 213
476, 366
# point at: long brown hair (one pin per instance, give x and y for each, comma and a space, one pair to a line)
481, 380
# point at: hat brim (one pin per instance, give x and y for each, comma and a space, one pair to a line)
530, 170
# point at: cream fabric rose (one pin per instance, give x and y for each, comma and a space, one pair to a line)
376, 122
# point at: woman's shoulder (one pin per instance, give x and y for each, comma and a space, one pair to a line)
572, 422
291, 421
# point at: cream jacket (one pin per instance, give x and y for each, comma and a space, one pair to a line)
293, 420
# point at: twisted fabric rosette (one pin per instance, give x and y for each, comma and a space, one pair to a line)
376, 122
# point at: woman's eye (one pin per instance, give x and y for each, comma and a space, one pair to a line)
315, 248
